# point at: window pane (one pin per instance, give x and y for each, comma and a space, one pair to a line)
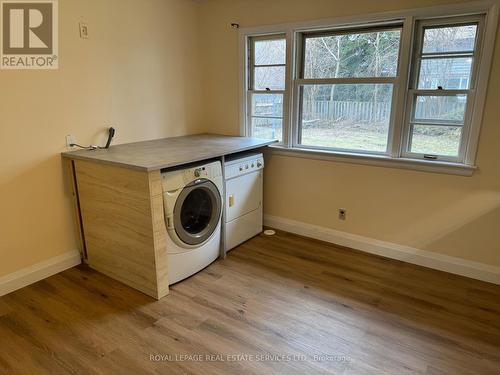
449, 39
267, 105
450, 73
436, 140
272, 78
267, 128
449, 109
270, 52
371, 54
356, 118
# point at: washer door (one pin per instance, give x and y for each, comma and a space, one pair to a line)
197, 212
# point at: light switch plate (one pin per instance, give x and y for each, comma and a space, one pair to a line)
84, 30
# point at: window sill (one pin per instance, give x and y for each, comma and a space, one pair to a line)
376, 160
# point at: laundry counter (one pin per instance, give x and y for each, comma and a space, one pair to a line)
118, 203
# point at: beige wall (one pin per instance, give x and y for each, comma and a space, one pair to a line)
156, 68
457, 216
138, 71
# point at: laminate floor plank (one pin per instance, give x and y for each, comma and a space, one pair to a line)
276, 305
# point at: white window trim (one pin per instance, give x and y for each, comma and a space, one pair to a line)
394, 81
413, 91
489, 8
250, 89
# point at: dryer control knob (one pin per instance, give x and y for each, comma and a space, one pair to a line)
197, 172
259, 164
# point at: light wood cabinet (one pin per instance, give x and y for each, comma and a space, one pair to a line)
123, 226
118, 202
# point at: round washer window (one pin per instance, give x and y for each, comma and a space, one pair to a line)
197, 212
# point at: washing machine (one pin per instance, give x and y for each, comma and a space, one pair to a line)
192, 199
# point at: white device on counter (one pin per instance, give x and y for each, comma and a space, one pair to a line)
192, 200
244, 184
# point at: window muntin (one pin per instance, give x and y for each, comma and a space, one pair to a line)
440, 102
266, 86
347, 89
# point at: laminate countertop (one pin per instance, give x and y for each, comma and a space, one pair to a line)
169, 152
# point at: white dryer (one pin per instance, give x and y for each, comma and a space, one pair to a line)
192, 199
244, 179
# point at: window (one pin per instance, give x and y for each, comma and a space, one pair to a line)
410, 87
441, 94
346, 88
266, 86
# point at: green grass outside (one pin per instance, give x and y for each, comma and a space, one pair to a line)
427, 140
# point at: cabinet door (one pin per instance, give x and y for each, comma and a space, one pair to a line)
243, 195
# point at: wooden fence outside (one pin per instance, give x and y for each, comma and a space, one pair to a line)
354, 111
370, 112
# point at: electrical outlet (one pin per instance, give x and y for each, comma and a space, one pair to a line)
84, 30
70, 139
342, 213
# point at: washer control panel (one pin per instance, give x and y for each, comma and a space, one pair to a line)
207, 171
199, 172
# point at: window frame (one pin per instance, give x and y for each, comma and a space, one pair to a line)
300, 82
396, 156
413, 91
250, 84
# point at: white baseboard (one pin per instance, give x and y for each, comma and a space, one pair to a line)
458, 266
39, 271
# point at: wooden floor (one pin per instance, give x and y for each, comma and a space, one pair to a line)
281, 304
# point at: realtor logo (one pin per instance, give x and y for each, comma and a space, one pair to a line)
29, 34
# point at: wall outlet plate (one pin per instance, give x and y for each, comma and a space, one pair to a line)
84, 30
342, 213
70, 139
